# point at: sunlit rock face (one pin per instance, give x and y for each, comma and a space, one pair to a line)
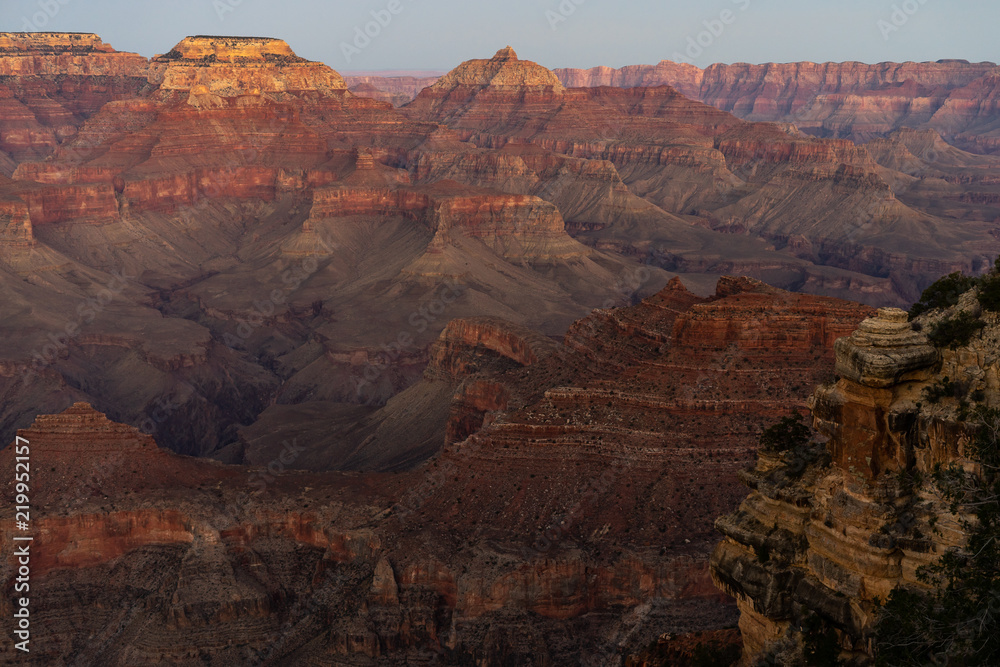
852, 100
227, 67
64, 54
831, 536
52, 82
503, 71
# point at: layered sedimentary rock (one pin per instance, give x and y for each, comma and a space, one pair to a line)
397, 90
579, 501
270, 221
43, 54
676, 157
15, 220
614, 434
208, 67
830, 530
503, 71
850, 99
883, 350
53, 82
248, 185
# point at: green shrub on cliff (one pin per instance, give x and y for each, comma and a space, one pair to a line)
943, 294
956, 331
786, 435
958, 623
989, 292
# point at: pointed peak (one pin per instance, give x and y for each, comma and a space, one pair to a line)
506, 53
503, 71
81, 408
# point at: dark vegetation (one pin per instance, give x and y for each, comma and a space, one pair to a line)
958, 622
799, 450
943, 294
954, 332
957, 330
787, 434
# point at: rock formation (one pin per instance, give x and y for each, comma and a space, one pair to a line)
829, 530
851, 100
580, 499
52, 83
269, 221
680, 158
397, 90
504, 71
209, 68
247, 184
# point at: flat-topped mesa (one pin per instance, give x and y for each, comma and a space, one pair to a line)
52, 42
25, 54
884, 350
232, 49
503, 71
81, 429
227, 67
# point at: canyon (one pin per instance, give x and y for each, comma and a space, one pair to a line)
851, 100
322, 370
567, 521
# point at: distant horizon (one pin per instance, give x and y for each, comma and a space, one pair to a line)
402, 35
405, 72
429, 72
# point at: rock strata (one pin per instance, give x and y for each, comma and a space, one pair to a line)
831, 528
884, 350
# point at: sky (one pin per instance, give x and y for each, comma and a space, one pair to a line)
440, 34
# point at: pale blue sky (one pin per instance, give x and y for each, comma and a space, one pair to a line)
439, 34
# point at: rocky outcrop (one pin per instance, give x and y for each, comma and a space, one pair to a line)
212, 68
640, 407
679, 157
51, 54
884, 350
685, 78
464, 344
52, 83
504, 71
15, 221
830, 529
83, 430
